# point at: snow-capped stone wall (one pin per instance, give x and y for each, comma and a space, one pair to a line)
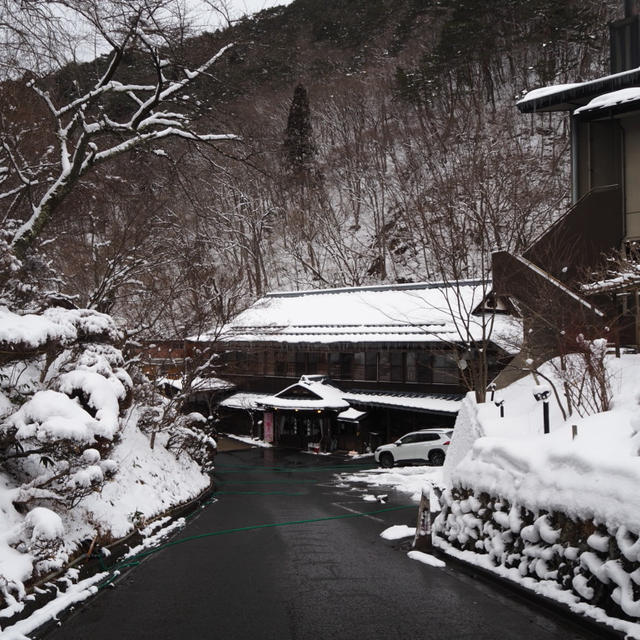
598, 564
558, 513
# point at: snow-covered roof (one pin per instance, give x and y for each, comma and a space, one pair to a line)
351, 415
210, 384
612, 99
420, 312
247, 401
427, 402
312, 393
566, 97
197, 384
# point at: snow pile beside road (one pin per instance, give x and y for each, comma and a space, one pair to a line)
595, 475
256, 442
555, 511
409, 480
398, 532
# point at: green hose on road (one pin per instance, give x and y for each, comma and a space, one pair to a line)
135, 560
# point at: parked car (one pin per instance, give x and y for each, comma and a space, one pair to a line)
426, 445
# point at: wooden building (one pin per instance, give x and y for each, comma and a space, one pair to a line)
604, 220
354, 367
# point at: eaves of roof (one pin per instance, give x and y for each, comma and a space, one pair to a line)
576, 96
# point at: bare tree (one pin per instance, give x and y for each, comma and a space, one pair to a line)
100, 121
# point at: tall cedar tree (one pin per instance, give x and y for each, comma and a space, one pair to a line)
298, 142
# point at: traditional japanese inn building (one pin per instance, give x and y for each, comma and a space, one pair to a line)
353, 367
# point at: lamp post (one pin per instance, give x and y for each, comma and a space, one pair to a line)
542, 393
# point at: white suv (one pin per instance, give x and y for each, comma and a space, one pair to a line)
426, 445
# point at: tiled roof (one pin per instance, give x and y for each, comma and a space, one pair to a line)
330, 397
419, 312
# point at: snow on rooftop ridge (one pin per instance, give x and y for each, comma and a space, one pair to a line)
611, 99
549, 90
409, 286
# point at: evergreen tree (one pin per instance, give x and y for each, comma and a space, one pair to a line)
298, 142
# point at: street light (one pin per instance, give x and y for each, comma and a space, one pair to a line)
541, 392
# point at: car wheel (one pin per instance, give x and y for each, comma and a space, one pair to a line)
386, 460
436, 458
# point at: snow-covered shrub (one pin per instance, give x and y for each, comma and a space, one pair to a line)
43, 531
584, 377
73, 458
191, 434
60, 402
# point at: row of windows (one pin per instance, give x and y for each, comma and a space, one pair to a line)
383, 366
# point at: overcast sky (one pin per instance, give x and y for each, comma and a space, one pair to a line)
206, 18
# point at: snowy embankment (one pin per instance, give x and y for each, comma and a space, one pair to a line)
558, 514
76, 466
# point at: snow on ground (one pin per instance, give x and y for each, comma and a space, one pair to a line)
398, 531
256, 442
153, 539
73, 594
426, 558
409, 480
148, 482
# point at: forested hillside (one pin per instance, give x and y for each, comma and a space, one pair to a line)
402, 157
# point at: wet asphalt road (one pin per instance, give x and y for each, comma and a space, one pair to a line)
334, 579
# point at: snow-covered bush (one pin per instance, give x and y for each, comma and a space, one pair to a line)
598, 563
64, 389
191, 434
585, 381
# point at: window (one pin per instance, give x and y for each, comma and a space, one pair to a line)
269, 365
423, 367
427, 437
313, 367
258, 362
334, 365
371, 365
301, 363
445, 369
291, 364
397, 366
359, 365
384, 366
411, 372
280, 367
346, 366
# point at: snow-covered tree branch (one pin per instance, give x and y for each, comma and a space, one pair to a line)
97, 122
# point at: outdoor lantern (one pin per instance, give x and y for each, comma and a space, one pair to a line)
542, 393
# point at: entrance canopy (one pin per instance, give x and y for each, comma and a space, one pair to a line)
310, 393
352, 415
